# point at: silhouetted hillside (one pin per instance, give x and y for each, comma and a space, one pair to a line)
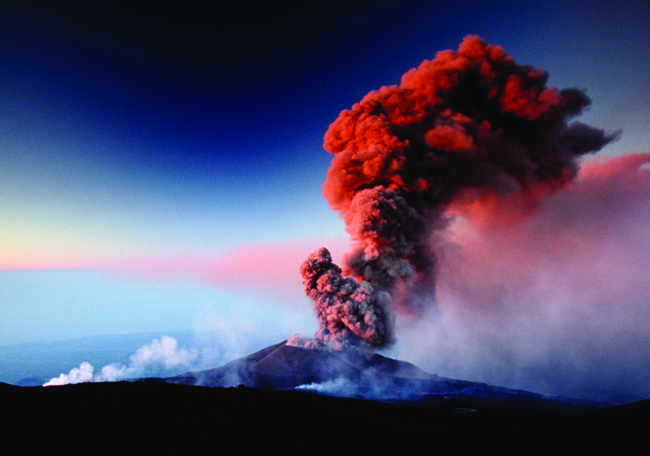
154, 416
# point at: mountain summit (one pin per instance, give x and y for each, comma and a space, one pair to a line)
286, 366
344, 373
363, 374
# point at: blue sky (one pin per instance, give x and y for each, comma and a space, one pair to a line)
140, 134
128, 131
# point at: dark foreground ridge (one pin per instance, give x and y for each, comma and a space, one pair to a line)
163, 414
155, 416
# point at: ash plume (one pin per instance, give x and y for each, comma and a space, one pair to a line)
470, 127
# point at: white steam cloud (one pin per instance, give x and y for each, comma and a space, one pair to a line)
162, 353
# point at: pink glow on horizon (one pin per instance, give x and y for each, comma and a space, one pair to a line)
54, 261
270, 269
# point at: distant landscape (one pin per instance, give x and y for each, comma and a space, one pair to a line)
34, 363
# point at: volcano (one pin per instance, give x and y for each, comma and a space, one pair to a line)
361, 374
285, 366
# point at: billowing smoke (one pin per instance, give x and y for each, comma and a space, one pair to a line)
467, 128
162, 353
555, 302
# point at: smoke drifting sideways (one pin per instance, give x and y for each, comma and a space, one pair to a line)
555, 302
470, 128
162, 354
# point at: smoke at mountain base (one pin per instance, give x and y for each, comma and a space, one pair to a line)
162, 353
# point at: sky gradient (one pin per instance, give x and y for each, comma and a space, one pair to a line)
161, 168
132, 132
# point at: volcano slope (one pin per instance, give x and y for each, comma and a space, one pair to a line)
366, 375
284, 366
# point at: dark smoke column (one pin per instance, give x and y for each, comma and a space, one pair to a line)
468, 126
